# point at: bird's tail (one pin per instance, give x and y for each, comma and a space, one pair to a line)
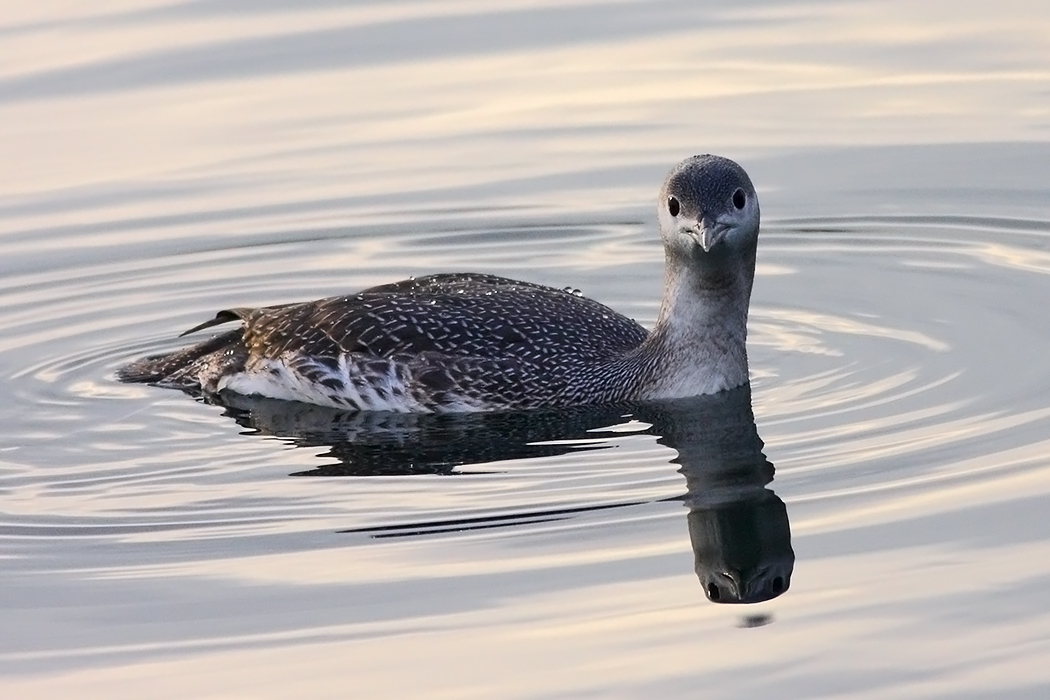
190, 368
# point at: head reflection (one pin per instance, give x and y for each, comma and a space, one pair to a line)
738, 528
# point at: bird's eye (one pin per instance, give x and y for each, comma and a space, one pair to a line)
673, 206
739, 199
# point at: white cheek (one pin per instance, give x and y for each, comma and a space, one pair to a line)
668, 223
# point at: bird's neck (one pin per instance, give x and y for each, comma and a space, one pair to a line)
700, 335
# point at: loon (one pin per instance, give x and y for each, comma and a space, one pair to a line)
459, 342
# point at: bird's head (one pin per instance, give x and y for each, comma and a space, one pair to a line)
708, 210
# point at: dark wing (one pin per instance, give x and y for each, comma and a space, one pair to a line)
462, 315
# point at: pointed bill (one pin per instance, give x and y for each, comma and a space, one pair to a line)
708, 233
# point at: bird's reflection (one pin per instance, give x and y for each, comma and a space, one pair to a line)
738, 528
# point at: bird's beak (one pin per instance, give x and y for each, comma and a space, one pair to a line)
708, 232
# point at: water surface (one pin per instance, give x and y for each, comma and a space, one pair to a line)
169, 160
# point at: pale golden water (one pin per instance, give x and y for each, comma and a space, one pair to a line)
162, 161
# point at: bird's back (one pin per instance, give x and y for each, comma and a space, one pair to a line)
458, 315
443, 342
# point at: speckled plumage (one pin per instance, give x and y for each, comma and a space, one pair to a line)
468, 342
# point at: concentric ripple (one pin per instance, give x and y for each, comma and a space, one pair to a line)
912, 345
865, 397
852, 380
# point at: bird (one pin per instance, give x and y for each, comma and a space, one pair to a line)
463, 342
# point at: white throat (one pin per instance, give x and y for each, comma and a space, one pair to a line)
701, 333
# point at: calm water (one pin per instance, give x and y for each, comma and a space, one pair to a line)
164, 161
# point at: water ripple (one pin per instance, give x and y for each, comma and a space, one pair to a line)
870, 380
